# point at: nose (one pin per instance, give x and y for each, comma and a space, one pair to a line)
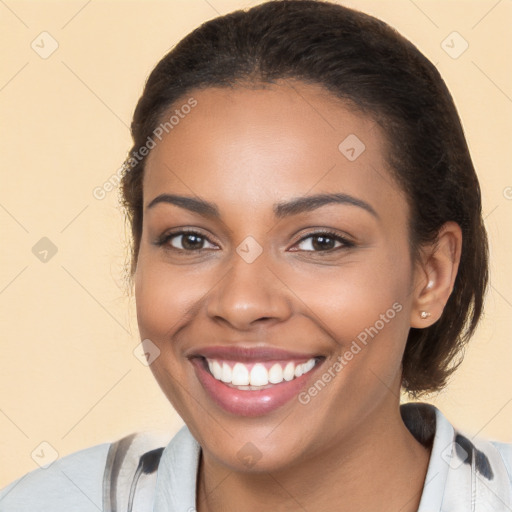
248, 295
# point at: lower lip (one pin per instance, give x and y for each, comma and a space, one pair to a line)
250, 402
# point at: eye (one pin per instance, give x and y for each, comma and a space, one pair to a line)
185, 241
322, 242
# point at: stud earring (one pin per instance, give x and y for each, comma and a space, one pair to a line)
424, 314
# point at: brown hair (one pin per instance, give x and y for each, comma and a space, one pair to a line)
362, 60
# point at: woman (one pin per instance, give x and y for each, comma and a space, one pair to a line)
307, 241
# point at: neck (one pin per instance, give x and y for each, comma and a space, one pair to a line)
382, 467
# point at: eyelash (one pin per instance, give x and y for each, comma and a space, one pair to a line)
346, 244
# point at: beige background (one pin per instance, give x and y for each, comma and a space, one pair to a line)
68, 375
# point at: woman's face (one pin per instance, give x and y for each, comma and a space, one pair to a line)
298, 256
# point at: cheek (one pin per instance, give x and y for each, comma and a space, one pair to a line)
364, 308
349, 298
164, 298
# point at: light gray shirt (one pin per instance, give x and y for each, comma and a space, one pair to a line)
464, 474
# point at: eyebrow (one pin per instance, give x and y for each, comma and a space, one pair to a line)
294, 206
309, 203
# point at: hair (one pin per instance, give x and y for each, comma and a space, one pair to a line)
367, 64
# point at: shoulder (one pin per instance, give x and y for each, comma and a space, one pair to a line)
505, 452
464, 469
76, 481
73, 482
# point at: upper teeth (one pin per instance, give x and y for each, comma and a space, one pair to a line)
258, 375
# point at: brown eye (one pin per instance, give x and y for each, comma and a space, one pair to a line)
186, 241
189, 242
321, 242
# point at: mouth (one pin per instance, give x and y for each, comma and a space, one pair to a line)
252, 382
260, 375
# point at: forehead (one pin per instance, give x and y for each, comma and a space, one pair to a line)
254, 146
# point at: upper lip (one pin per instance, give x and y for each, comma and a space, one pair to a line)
248, 354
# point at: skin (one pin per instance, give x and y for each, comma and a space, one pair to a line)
246, 149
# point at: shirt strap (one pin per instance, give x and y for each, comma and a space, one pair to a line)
129, 477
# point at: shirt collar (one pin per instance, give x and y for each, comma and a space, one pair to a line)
455, 479
177, 474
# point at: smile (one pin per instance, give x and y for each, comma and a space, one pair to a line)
251, 376
252, 381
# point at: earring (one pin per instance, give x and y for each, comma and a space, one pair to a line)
424, 314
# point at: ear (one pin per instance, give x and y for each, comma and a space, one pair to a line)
435, 275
